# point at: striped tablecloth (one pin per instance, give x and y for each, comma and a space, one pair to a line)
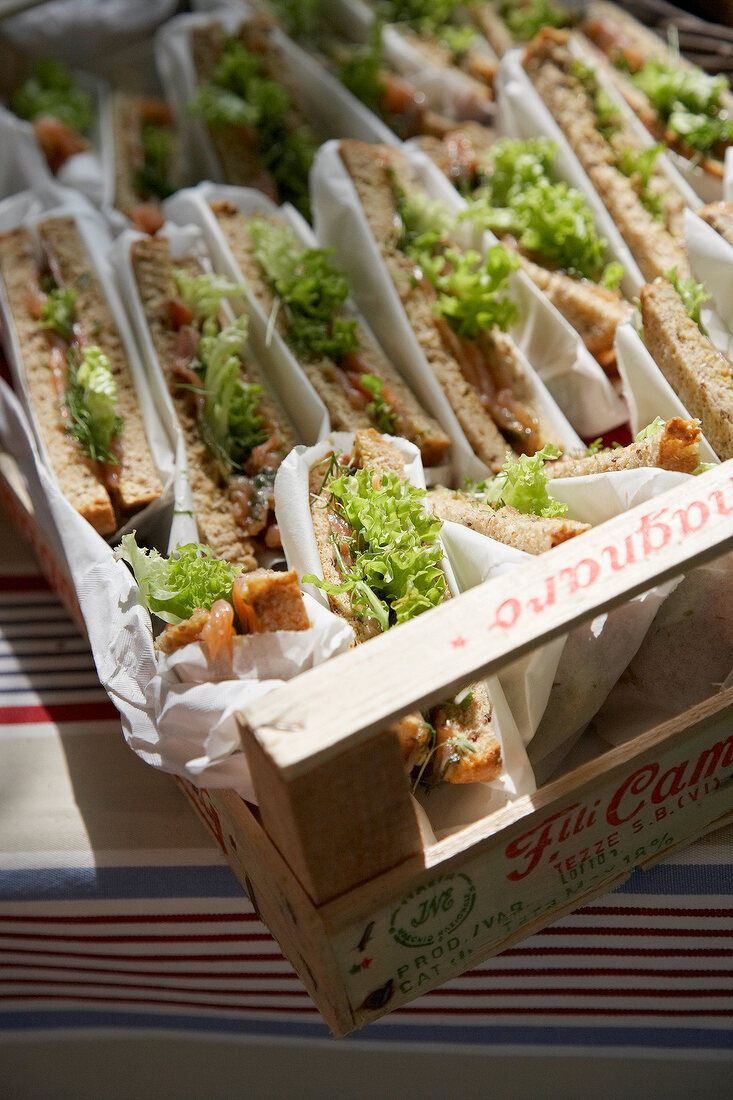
117, 911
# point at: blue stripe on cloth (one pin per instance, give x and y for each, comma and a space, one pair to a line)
72, 883
681, 879
384, 1031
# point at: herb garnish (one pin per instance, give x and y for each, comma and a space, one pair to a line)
90, 396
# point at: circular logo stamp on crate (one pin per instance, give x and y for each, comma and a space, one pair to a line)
429, 914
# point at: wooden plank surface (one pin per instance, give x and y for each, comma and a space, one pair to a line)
344, 701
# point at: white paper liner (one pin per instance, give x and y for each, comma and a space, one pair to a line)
285, 381
27, 209
448, 91
573, 377
78, 30
728, 175
23, 166
187, 728
522, 113
711, 263
330, 109
647, 391
555, 690
341, 223
453, 805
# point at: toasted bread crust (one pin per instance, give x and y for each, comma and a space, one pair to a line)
675, 447
533, 534
698, 373
719, 215
275, 600
19, 270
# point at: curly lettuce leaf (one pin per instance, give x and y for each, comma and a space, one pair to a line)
59, 311
173, 588
693, 295
523, 485
152, 178
311, 289
656, 426
51, 90
638, 166
394, 570
204, 293
90, 396
231, 424
471, 290
688, 100
525, 20
378, 408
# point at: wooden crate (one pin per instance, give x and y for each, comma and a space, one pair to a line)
333, 858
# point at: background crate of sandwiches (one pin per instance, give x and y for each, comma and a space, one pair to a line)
368, 905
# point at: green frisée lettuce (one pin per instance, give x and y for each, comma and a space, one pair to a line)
525, 20
520, 195
688, 100
693, 295
638, 166
173, 588
310, 289
430, 17
390, 563
231, 424
90, 396
58, 312
378, 408
204, 294
656, 426
522, 484
51, 91
470, 288
240, 94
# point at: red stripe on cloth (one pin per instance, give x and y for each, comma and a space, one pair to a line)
421, 1009
256, 956
265, 975
629, 930
310, 1008
578, 991
156, 988
26, 582
100, 711
592, 971
131, 918
635, 952
177, 938
648, 911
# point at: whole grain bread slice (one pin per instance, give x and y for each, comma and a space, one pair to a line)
700, 375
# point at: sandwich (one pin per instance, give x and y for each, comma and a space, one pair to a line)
513, 190
700, 375
249, 102
647, 209
306, 294
679, 103
204, 599
456, 303
59, 109
234, 433
81, 392
145, 156
517, 507
381, 562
